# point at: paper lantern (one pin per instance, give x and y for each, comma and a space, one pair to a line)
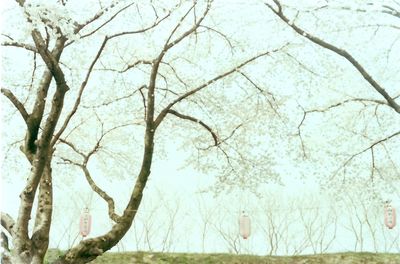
244, 225
85, 223
390, 216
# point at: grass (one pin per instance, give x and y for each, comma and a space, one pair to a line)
189, 258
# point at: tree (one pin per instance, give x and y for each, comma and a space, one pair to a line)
150, 86
372, 129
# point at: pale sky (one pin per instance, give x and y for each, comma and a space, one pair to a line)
304, 76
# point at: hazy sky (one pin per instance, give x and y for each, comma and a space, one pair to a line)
302, 76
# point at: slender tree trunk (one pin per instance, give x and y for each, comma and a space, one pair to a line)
89, 249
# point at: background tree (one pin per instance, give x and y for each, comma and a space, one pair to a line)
364, 105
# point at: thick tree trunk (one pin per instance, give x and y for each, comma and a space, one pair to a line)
40, 237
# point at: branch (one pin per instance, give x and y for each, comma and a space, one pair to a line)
110, 201
36, 116
176, 76
369, 148
16, 103
107, 21
391, 102
215, 137
224, 140
323, 110
50, 60
79, 27
41, 156
19, 45
220, 34
262, 91
169, 45
72, 146
156, 23
4, 243
384, 9
111, 101
86, 157
78, 99
360, 100
8, 223
135, 64
163, 113
155, 66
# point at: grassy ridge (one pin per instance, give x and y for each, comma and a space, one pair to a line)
186, 258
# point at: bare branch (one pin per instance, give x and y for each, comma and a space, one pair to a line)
130, 66
177, 26
72, 146
299, 133
224, 140
118, 98
220, 34
215, 137
169, 45
176, 75
156, 23
343, 53
369, 148
323, 110
78, 99
110, 201
385, 9
144, 102
360, 100
262, 91
373, 167
14, 100
86, 157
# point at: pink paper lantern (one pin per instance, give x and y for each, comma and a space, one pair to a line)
244, 225
390, 216
85, 223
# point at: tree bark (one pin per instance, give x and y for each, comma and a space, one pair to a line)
26, 249
40, 237
89, 249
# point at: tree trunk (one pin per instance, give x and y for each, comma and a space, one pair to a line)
39, 241
89, 249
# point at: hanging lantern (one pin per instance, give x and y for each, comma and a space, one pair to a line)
244, 225
85, 223
390, 216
